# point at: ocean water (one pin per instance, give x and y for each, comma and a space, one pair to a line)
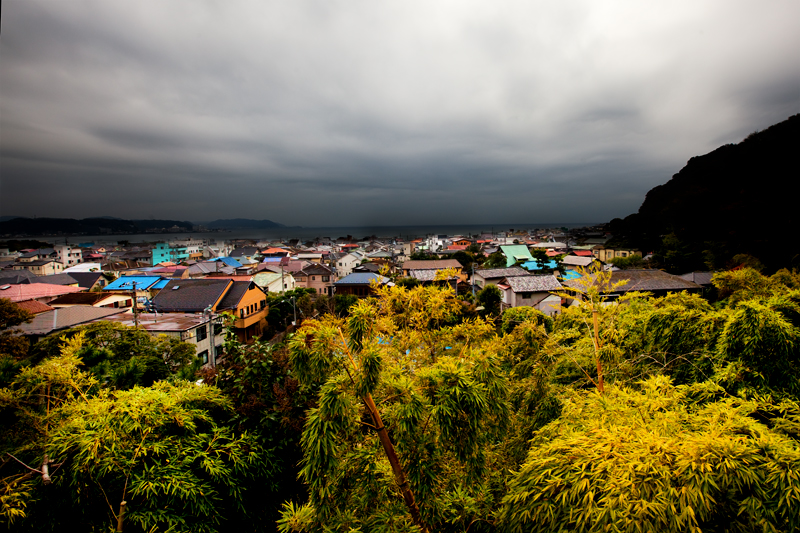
304, 234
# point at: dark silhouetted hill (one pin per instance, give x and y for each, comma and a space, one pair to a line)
86, 226
740, 198
242, 223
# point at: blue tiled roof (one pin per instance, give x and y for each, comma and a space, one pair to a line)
570, 274
125, 283
161, 284
230, 261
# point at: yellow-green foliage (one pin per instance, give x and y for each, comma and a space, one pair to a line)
160, 449
651, 459
442, 397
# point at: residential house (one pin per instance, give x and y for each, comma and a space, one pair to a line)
248, 304
359, 284
93, 299
515, 253
245, 300
492, 276
245, 254
69, 256
56, 279
572, 262
28, 256
34, 307
205, 332
532, 291
143, 286
90, 280
56, 320
656, 282
346, 263
607, 254
436, 264
168, 253
41, 292
317, 277
274, 282
210, 268
40, 267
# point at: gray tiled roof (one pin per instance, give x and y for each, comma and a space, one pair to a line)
425, 275
493, 273
701, 278
67, 317
644, 280
533, 283
435, 264
236, 293
191, 296
361, 278
57, 279
86, 279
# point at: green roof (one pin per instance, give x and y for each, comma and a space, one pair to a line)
516, 252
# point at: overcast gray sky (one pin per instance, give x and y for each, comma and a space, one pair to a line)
334, 113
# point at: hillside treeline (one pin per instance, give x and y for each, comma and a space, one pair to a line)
413, 413
721, 204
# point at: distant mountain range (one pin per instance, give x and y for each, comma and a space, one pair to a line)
87, 226
23, 226
241, 223
736, 199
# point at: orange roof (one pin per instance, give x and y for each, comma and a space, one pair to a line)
34, 307
274, 251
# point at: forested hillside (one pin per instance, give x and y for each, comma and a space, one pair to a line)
734, 200
412, 412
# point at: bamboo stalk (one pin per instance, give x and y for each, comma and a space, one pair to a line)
397, 468
600, 386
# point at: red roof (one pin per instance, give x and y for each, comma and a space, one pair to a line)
457, 247
32, 291
349, 246
583, 253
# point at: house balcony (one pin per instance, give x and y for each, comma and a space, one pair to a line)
243, 322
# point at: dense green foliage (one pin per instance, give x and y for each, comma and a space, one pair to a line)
409, 411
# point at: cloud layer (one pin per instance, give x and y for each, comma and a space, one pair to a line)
363, 112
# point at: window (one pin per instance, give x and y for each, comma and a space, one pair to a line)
241, 313
203, 356
313, 278
202, 333
217, 329
326, 278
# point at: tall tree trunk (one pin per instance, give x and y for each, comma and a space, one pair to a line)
397, 468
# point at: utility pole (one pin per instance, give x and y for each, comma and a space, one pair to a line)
135, 306
473, 281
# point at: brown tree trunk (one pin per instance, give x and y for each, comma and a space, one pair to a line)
397, 468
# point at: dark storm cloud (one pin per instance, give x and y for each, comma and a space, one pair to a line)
337, 113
